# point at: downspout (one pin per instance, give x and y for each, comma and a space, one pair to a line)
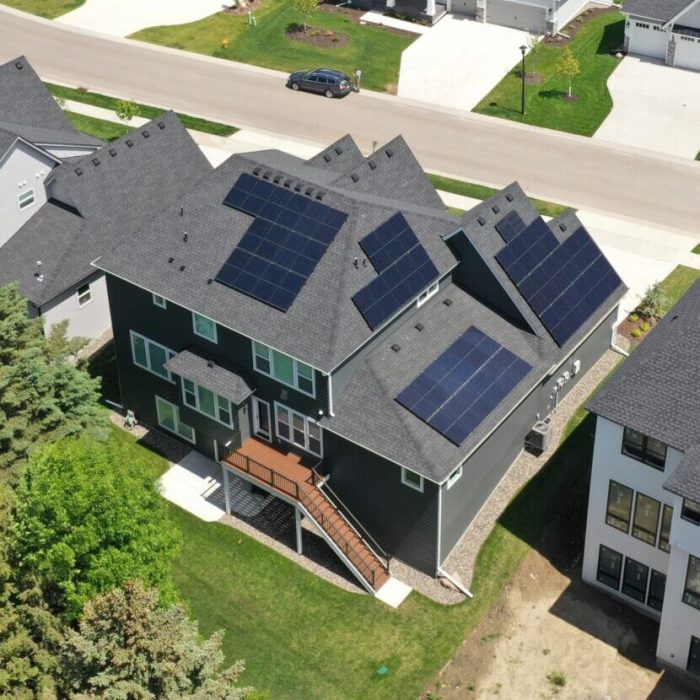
457, 584
614, 347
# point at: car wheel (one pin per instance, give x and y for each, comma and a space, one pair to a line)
295, 86
328, 93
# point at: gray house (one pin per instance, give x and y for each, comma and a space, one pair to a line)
328, 332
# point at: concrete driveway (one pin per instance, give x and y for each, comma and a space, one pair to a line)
458, 61
124, 17
654, 106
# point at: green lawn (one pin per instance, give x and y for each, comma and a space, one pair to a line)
99, 128
49, 9
374, 49
146, 111
544, 106
470, 189
696, 250
677, 284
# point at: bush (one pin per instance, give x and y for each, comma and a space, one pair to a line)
633, 318
557, 679
645, 326
636, 333
653, 302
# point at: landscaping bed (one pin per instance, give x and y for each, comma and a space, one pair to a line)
317, 36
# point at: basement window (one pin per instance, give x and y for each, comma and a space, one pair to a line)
412, 480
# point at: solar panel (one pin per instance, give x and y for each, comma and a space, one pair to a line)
510, 226
564, 284
461, 387
404, 270
283, 244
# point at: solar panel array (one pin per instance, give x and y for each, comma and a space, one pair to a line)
564, 283
283, 244
510, 226
464, 385
404, 270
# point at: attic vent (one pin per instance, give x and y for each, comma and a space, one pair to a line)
257, 171
481, 221
319, 196
495, 208
447, 302
182, 268
210, 364
419, 327
145, 133
389, 152
354, 177
326, 157
396, 347
372, 165
287, 183
509, 197
184, 238
19, 65
129, 143
562, 227
338, 150
309, 190
95, 161
112, 152
266, 175
276, 179
297, 187
78, 171
161, 125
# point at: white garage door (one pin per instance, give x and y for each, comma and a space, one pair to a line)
647, 41
687, 52
516, 15
463, 7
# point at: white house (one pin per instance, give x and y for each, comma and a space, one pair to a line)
643, 527
665, 29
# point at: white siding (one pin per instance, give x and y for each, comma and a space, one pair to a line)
86, 321
22, 168
68, 151
567, 11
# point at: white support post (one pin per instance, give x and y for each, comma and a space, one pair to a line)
297, 517
227, 496
430, 10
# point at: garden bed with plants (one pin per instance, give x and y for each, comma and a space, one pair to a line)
317, 36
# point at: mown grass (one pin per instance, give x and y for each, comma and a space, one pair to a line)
677, 284
99, 128
545, 105
49, 9
374, 49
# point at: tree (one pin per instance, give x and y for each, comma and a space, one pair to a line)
653, 302
568, 66
306, 8
87, 516
533, 43
130, 647
43, 396
126, 110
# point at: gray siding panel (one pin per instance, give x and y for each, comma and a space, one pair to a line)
517, 15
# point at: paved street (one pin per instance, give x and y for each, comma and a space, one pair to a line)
569, 169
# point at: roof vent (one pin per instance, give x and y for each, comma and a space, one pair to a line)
112, 152
562, 227
210, 280
338, 150
184, 237
309, 191
509, 197
389, 152
210, 364
419, 327
287, 183
396, 347
161, 125
354, 177
297, 187
129, 143
145, 133
372, 165
495, 208
481, 221
257, 171
319, 196
447, 301
95, 161
276, 179
78, 171
182, 268
266, 175
19, 65
182, 211
170, 260
326, 157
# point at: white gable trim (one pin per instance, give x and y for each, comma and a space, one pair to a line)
681, 13
31, 145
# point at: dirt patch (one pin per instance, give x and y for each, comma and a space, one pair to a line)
574, 27
531, 79
243, 8
317, 36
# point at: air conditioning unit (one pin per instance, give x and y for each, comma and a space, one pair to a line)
537, 440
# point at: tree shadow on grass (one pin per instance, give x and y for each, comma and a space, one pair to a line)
552, 94
503, 108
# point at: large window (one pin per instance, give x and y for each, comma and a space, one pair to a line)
204, 327
150, 355
691, 511
644, 448
634, 582
207, 402
409, 478
657, 586
169, 418
609, 567
646, 519
298, 429
284, 369
619, 506
691, 594
665, 534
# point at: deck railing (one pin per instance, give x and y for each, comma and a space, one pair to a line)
265, 474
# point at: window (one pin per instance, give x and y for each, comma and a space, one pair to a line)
298, 429
169, 418
665, 534
609, 567
691, 511
691, 594
657, 586
646, 519
657, 28
432, 290
26, 199
159, 301
619, 506
644, 448
455, 476
150, 356
284, 369
84, 295
207, 402
634, 581
204, 327
409, 478
687, 38
694, 656
642, 25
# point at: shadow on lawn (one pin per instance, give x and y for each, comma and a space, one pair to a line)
613, 37
552, 94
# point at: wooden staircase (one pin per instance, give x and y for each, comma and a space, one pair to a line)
284, 475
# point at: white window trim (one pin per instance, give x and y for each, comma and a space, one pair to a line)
215, 339
455, 476
159, 301
306, 420
147, 367
176, 413
216, 403
256, 419
22, 196
295, 370
431, 291
86, 293
410, 484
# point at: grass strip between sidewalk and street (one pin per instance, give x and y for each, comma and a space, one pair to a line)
99, 128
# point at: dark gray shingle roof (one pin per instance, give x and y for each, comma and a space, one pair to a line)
663, 10
685, 480
657, 390
46, 136
340, 157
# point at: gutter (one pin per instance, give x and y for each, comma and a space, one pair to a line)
456, 583
614, 347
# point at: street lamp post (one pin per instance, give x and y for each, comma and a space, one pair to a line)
523, 49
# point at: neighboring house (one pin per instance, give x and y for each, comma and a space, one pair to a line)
80, 205
643, 527
332, 309
35, 137
665, 29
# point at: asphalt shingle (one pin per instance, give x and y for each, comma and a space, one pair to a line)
663, 10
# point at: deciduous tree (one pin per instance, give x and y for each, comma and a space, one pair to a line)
306, 8
568, 66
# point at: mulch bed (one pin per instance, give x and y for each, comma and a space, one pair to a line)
626, 327
316, 36
576, 25
531, 79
